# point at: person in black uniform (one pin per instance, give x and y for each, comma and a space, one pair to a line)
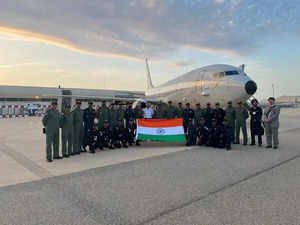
214, 134
105, 136
188, 114
129, 113
94, 139
256, 122
208, 115
89, 115
202, 132
225, 135
130, 132
119, 136
191, 133
219, 114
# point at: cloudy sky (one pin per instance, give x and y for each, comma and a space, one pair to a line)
102, 43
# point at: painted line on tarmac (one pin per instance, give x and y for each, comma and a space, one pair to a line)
25, 162
223, 188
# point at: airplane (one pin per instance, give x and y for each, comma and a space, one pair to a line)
209, 84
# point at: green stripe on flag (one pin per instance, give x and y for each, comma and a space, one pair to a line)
167, 138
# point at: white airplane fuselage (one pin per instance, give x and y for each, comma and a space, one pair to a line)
214, 83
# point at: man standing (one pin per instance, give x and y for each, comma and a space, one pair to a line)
170, 112
138, 114
78, 128
208, 115
255, 122
179, 110
271, 122
159, 113
67, 132
219, 114
89, 116
113, 115
51, 124
102, 114
188, 114
230, 116
198, 114
129, 113
120, 113
148, 111
242, 115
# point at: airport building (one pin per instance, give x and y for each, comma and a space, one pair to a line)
19, 101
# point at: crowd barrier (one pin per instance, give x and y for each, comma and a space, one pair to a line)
21, 111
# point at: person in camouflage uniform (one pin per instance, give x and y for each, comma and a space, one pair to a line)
66, 123
230, 116
78, 128
51, 123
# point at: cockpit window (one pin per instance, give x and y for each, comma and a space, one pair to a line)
231, 73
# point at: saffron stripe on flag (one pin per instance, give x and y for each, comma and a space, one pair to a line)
160, 122
168, 138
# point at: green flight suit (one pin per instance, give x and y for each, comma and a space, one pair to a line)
121, 115
78, 131
67, 124
102, 115
198, 115
241, 116
170, 112
113, 117
179, 112
51, 124
230, 116
158, 113
138, 113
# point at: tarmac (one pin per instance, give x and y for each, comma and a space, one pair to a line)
157, 183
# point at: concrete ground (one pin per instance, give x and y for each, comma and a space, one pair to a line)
155, 184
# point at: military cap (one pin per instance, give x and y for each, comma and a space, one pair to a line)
169, 101
239, 103
68, 106
54, 103
187, 103
78, 102
208, 103
271, 98
198, 104
105, 121
179, 103
217, 103
230, 102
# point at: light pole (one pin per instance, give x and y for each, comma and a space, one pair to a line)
273, 90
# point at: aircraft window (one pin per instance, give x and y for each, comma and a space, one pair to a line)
218, 75
231, 73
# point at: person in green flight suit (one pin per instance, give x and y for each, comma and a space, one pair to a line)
158, 113
198, 114
170, 112
241, 115
78, 128
113, 115
120, 113
66, 123
51, 124
179, 110
230, 116
103, 113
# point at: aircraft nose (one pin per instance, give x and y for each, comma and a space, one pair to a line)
250, 87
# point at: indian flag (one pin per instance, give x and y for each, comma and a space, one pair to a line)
169, 130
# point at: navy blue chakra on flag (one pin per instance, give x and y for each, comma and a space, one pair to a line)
160, 131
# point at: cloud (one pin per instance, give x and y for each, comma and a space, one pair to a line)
138, 28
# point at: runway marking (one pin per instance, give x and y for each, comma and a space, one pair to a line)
25, 162
223, 188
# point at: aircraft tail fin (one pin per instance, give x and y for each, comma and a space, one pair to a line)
149, 81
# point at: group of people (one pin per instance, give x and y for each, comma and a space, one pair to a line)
115, 126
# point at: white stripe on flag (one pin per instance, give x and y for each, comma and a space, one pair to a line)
160, 131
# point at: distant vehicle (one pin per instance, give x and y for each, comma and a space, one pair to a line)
214, 83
